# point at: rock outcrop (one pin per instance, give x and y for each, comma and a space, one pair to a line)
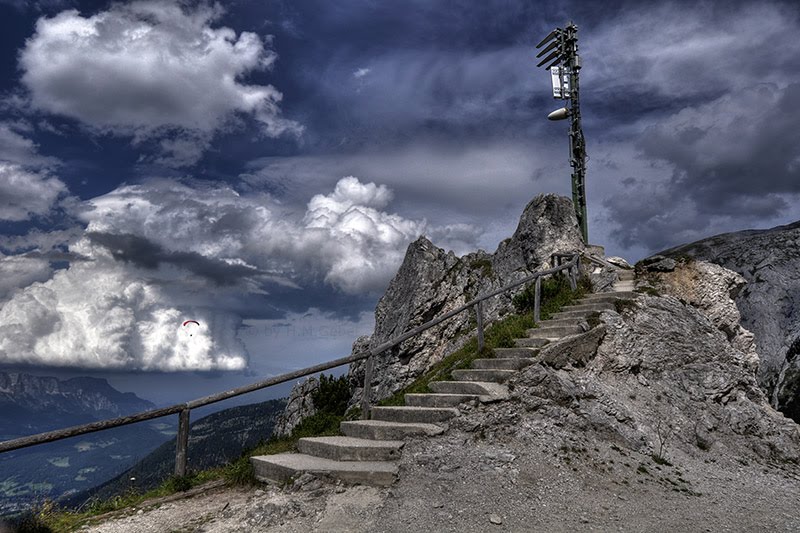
663, 377
431, 282
299, 405
769, 261
711, 289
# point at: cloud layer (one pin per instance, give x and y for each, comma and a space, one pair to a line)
343, 238
161, 252
99, 314
152, 70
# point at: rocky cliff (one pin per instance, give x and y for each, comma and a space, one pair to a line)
769, 303
431, 282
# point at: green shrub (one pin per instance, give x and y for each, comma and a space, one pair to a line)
178, 484
556, 293
485, 266
332, 395
621, 305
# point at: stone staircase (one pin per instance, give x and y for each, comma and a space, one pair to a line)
368, 450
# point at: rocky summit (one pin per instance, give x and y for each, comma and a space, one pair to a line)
769, 300
431, 282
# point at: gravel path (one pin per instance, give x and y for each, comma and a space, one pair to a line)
530, 476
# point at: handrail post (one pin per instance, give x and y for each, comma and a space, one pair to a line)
537, 300
479, 313
573, 282
182, 443
366, 392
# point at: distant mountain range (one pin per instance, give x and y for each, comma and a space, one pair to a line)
213, 440
31, 404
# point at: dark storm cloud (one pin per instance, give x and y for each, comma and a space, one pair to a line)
735, 158
147, 254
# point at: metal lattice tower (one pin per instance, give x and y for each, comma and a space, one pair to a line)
564, 64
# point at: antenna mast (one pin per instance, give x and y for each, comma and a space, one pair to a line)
564, 66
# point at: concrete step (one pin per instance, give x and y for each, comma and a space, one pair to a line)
507, 363
623, 286
282, 467
411, 415
599, 306
439, 400
350, 448
574, 315
496, 375
520, 351
487, 390
521, 343
626, 275
603, 296
553, 332
559, 322
382, 430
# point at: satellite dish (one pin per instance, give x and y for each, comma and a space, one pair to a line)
558, 114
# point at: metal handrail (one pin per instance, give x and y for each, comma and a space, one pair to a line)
183, 409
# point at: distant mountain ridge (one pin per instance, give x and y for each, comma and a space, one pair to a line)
214, 440
32, 404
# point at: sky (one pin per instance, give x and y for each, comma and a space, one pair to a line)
261, 166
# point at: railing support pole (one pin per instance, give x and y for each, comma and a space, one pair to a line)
365, 393
182, 443
573, 283
537, 300
479, 313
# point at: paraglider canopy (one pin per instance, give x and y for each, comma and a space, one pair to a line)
191, 322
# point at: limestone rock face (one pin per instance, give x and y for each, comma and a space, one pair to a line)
663, 377
711, 289
431, 282
298, 406
769, 261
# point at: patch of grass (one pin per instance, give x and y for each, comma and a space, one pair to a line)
621, 305
593, 319
647, 289
643, 470
485, 266
556, 293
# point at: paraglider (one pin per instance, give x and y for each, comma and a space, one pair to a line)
191, 322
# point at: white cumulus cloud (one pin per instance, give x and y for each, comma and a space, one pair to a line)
344, 237
24, 192
152, 70
103, 314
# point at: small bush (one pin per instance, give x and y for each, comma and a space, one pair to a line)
28, 522
660, 460
485, 266
332, 395
178, 484
556, 293
648, 290
622, 305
